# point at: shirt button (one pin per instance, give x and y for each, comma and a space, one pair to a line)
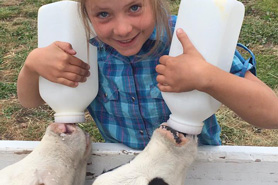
133, 99
141, 132
105, 95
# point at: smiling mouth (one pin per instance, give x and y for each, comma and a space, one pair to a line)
124, 42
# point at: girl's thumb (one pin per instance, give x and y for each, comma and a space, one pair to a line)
66, 47
185, 41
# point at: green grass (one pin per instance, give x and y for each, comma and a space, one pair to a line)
18, 36
259, 31
267, 71
7, 90
268, 8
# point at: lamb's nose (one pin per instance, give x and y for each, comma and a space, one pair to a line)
66, 128
70, 128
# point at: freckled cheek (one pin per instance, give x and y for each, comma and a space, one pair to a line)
148, 24
102, 32
100, 29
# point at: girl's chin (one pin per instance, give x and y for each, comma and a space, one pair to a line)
128, 52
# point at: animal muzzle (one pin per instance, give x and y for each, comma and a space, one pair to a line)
63, 128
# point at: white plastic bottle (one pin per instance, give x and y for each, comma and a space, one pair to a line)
61, 21
213, 26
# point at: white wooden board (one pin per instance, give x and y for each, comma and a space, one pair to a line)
224, 165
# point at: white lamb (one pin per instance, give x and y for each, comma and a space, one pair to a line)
59, 159
164, 161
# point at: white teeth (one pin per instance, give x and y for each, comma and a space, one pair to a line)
125, 41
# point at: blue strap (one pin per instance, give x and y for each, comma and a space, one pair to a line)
251, 60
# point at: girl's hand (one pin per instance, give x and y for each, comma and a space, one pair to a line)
184, 72
58, 64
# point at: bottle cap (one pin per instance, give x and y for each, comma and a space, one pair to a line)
69, 117
185, 127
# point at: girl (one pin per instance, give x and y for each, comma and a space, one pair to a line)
133, 38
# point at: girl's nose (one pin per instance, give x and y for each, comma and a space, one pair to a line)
122, 28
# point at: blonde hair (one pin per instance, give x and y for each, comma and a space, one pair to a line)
161, 15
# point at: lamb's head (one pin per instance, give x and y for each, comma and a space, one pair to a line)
68, 138
59, 159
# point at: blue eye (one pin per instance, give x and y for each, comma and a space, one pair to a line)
134, 8
103, 14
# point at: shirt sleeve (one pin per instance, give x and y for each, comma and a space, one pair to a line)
241, 65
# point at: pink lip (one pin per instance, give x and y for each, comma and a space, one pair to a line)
127, 44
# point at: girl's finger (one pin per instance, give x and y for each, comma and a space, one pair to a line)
77, 62
73, 77
164, 59
67, 82
160, 69
161, 79
165, 88
77, 70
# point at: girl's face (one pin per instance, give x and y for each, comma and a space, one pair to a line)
125, 25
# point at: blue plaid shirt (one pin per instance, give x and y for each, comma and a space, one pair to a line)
129, 105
